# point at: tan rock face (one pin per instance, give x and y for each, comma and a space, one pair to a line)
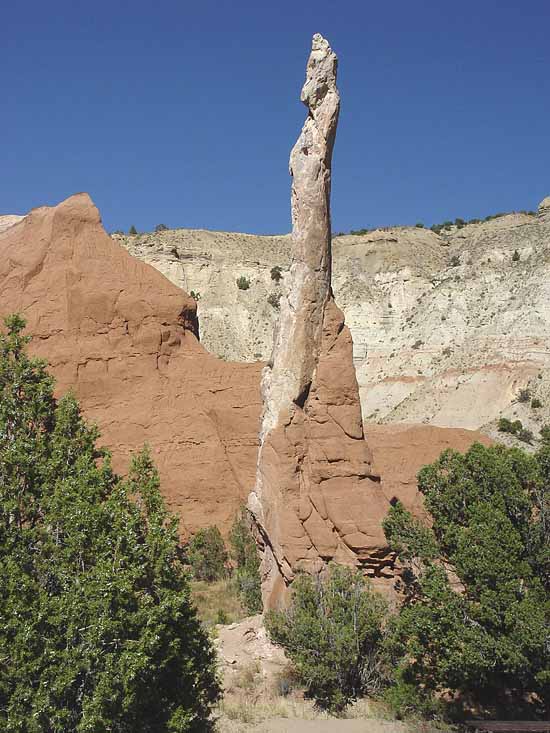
434, 342
316, 497
123, 338
8, 220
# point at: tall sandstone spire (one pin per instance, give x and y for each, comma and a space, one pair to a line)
316, 497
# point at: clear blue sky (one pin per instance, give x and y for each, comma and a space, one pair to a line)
185, 112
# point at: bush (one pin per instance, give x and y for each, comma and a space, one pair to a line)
276, 273
132, 230
207, 555
419, 225
455, 261
515, 256
489, 641
161, 228
332, 633
98, 632
524, 395
274, 300
536, 403
526, 436
508, 426
244, 554
243, 283
417, 344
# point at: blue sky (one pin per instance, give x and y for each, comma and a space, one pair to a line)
184, 113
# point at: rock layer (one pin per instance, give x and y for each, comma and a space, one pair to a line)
316, 497
447, 328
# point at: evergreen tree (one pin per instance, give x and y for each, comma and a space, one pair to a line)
97, 630
245, 556
332, 633
207, 555
476, 617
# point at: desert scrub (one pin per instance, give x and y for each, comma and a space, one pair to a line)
244, 553
332, 633
207, 555
276, 273
243, 283
217, 602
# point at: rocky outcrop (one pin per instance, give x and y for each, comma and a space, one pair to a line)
316, 497
447, 328
124, 339
8, 220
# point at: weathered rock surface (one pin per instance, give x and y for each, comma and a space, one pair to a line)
8, 220
401, 449
316, 498
446, 328
123, 338
119, 335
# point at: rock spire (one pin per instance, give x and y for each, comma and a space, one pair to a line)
316, 497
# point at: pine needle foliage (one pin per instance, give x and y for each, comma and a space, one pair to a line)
476, 617
332, 632
97, 631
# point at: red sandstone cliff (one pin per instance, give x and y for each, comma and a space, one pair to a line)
123, 338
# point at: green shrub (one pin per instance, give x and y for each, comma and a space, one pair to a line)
508, 426
419, 225
526, 436
244, 554
207, 555
243, 283
161, 228
98, 632
222, 617
524, 395
536, 403
274, 300
488, 642
276, 273
515, 256
455, 261
132, 230
332, 633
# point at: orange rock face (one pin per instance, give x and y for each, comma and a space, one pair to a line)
400, 450
124, 339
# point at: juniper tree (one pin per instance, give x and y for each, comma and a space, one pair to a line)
97, 630
476, 616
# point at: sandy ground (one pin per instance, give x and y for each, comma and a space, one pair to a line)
285, 725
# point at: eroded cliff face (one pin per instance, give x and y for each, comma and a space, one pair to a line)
316, 496
447, 328
122, 337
